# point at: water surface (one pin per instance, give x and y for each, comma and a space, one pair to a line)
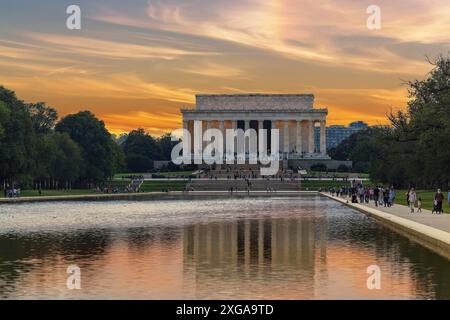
252, 248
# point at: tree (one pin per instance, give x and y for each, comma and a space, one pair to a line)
119, 157
16, 138
415, 150
140, 150
359, 147
429, 124
166, 145
4, 117
58, 158
66, 164
96, 143
43, 117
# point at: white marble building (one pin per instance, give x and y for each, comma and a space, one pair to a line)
293, 114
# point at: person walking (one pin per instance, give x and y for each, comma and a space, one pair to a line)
419, 205
386, 197
412, 197
381, 195
361, 194
376, 193
391, 196
439, 198
448, 198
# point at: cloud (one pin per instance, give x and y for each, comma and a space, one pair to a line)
119, 86
215, 70
86, 46
309, 31
156, 123
154, 58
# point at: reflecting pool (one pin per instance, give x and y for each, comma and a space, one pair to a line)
307, 247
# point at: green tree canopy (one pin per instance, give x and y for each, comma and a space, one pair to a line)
140, 149
17, 137
43, 117
359, 147
166, 145
414, 149
96, 143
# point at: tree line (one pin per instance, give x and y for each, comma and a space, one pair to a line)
37, 148
414, 149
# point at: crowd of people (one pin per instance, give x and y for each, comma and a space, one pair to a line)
12, 193
382, 196
416, 202
385, 196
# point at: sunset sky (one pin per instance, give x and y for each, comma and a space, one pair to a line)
136, 63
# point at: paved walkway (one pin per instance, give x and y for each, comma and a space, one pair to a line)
431, 230
438, 221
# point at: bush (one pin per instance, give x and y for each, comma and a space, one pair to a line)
138, 163
319, 167
342, 168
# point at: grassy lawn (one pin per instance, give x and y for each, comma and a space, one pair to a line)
426, 196
123, 175
147, 186
120, 176
326, 184
35, 193
336, 174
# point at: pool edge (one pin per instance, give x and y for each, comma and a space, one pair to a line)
432, 238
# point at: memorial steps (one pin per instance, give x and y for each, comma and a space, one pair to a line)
241, 185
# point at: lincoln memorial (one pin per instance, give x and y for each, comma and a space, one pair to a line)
293, 114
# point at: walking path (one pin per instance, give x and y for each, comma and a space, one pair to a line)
431, 230
438, 221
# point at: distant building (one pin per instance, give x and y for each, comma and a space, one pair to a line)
337, 133
358, 125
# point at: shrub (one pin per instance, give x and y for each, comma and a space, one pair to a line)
342, 168
319, 167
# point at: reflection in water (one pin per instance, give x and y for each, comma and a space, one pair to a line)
255, 248
246, 250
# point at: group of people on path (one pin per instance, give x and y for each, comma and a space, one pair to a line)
383, 196
416, 202
12, 193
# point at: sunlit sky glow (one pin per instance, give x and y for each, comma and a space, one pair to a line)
136, 63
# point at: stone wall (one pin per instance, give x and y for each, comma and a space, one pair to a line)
255, 102
307, 163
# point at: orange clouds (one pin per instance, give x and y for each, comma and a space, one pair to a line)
153, 123
138, 67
